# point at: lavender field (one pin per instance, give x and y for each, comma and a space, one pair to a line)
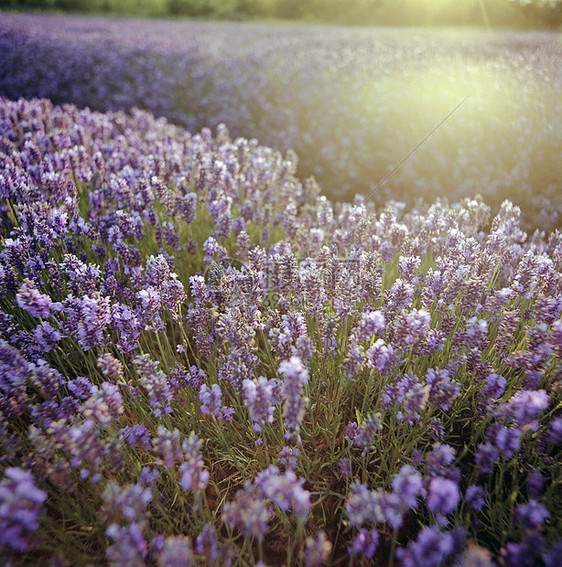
351, 102
210, 358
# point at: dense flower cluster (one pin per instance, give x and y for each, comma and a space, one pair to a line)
203, 360
351, 102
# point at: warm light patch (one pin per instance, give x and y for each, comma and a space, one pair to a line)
429, 12
487, 138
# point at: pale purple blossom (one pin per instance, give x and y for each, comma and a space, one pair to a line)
364, 506
21, 507
260, 400
104, 405
380, 355
407, 394
295, 377
525, 406
177, 551
285, 491
317, 550
366, 435
211, 399
408, 485
128, 547
443, 495
531, 515
365, 543
248, 512
193, 474
127, 502
206, 543
431, 548
32, 300
476, 496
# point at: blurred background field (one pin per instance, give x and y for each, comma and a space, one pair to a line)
513, 13
352, 102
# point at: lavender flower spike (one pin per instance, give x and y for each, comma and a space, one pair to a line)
295, 376
21, 504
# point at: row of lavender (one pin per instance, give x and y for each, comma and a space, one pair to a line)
204, 361
351, 102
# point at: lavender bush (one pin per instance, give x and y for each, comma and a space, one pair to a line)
351, 102
204, 361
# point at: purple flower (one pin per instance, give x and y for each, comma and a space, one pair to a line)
493, 389
110, 366
210, 247
317, 550
104, 405
193, 377
259, 399
412, 327
156, 385
506, 439
129, 547
443, 495
173, 295
199, 290
126, 502
475, 334
430, 549
46, 336
125, 321
14, 373
551, 556
535, 484
136, 436
525, 554
295, 376
157, 270
288, 457
408, 485
367, 432
364, 506
476, 496
149, 308
21, 505
82, 442
475, 556
524, 406
47, 379
486, 456
88, 317
177, 551
408, 266
344, 466
380, 356
443, 392
167, 446
354, 362
148, 476
372, 323
365, 543
554, 434
409, 395
80, 387
248, 512
399, 295
206, 543
393, 509
32, 300
194, 476
531, 515
211, 399
285, 491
